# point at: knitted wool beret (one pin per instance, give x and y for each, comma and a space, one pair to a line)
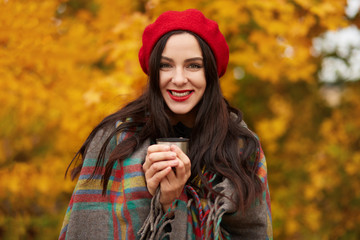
191, 20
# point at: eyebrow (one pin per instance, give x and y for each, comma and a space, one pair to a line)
187, 60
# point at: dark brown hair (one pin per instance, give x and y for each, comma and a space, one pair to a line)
218, 142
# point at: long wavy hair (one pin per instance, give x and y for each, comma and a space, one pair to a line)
218, 142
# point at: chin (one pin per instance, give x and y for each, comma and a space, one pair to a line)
180, 112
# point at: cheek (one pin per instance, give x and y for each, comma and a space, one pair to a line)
202, 93
161, 83
200, 83
200, 80
163, 80
203, 88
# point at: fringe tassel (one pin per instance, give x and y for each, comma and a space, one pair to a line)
218, 208
152, 219
210, 220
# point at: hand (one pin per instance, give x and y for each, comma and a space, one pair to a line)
158, 163
173, 184
157, 167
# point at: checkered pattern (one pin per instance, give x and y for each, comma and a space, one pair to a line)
122, 212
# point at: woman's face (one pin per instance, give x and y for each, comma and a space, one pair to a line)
182, 75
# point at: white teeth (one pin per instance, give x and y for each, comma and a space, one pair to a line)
177, 94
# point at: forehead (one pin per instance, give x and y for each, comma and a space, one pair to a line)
183, 44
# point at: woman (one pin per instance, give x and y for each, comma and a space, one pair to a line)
131, 188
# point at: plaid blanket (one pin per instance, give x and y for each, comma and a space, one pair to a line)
128, 211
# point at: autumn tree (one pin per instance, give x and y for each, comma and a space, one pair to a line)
64, 65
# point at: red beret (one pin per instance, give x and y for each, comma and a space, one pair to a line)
191, 20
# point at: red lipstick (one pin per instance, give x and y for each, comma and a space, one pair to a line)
180, 95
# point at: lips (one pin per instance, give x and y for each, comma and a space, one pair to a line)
180, 95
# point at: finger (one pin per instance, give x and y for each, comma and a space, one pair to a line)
152, 149
180, 172
169, 183
182, 156
146, 164
154, 181
161, 156
158, 148
172, 178
159, 166
156, 157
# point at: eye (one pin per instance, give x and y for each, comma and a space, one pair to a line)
165, 65
195, 66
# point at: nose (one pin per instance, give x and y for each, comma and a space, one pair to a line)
179, 78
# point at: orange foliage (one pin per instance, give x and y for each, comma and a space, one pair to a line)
64, 65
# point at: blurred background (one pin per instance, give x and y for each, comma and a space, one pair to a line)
294, 72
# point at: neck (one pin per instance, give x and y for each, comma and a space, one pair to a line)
187, 119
